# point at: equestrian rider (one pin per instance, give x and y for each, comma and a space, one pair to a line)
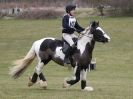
70, 25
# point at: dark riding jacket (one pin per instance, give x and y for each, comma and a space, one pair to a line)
70, 25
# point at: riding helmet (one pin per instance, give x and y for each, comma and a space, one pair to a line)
70, 7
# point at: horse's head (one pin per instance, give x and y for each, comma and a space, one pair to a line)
98, 33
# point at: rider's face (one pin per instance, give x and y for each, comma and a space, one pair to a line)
72, 12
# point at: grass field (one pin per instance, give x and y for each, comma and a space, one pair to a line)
113, 78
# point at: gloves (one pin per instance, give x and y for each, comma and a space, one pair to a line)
83, 32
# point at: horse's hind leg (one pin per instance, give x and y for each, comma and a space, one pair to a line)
42, 78
38, 73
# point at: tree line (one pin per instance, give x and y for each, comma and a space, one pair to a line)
116, 6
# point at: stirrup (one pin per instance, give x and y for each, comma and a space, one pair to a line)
67, 61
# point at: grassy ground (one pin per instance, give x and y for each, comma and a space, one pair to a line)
113, 78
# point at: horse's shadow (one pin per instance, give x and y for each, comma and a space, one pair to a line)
51, 90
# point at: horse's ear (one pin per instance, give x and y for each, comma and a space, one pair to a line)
93, 24
97, 23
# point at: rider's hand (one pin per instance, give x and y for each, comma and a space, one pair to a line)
83, 32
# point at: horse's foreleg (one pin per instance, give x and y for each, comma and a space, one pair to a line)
83, 78
75, 80
83, 81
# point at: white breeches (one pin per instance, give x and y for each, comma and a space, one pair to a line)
69, 37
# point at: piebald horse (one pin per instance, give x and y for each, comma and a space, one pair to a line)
48, 49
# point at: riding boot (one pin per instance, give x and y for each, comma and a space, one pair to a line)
68, 52
73, 47
67, 55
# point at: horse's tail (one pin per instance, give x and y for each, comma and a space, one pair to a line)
22, 64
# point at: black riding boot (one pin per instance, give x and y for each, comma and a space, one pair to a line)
67, 55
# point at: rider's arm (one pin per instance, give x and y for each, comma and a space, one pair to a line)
79, 29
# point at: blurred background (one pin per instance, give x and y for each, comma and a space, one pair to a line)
24, 21
40, 9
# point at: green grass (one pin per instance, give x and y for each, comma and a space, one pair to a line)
113, 78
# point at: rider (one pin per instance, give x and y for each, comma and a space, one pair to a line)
70, 25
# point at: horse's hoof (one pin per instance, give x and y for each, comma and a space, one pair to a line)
65, 84
43, 84
88, 89
30, 83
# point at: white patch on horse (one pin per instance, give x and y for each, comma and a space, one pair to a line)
83, 74
59, 53
75, 69
88, 88
105, 35
83, 41
38, 43
38, 68
98, 28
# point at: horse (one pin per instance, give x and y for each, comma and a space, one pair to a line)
50, 48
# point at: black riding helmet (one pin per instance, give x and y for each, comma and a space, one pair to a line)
70, 8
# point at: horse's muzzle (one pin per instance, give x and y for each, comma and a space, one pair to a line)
106, 40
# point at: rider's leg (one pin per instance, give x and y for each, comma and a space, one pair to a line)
68, 39
74, 36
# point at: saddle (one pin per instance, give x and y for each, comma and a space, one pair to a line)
66, 46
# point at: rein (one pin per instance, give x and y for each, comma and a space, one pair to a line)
84, 34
